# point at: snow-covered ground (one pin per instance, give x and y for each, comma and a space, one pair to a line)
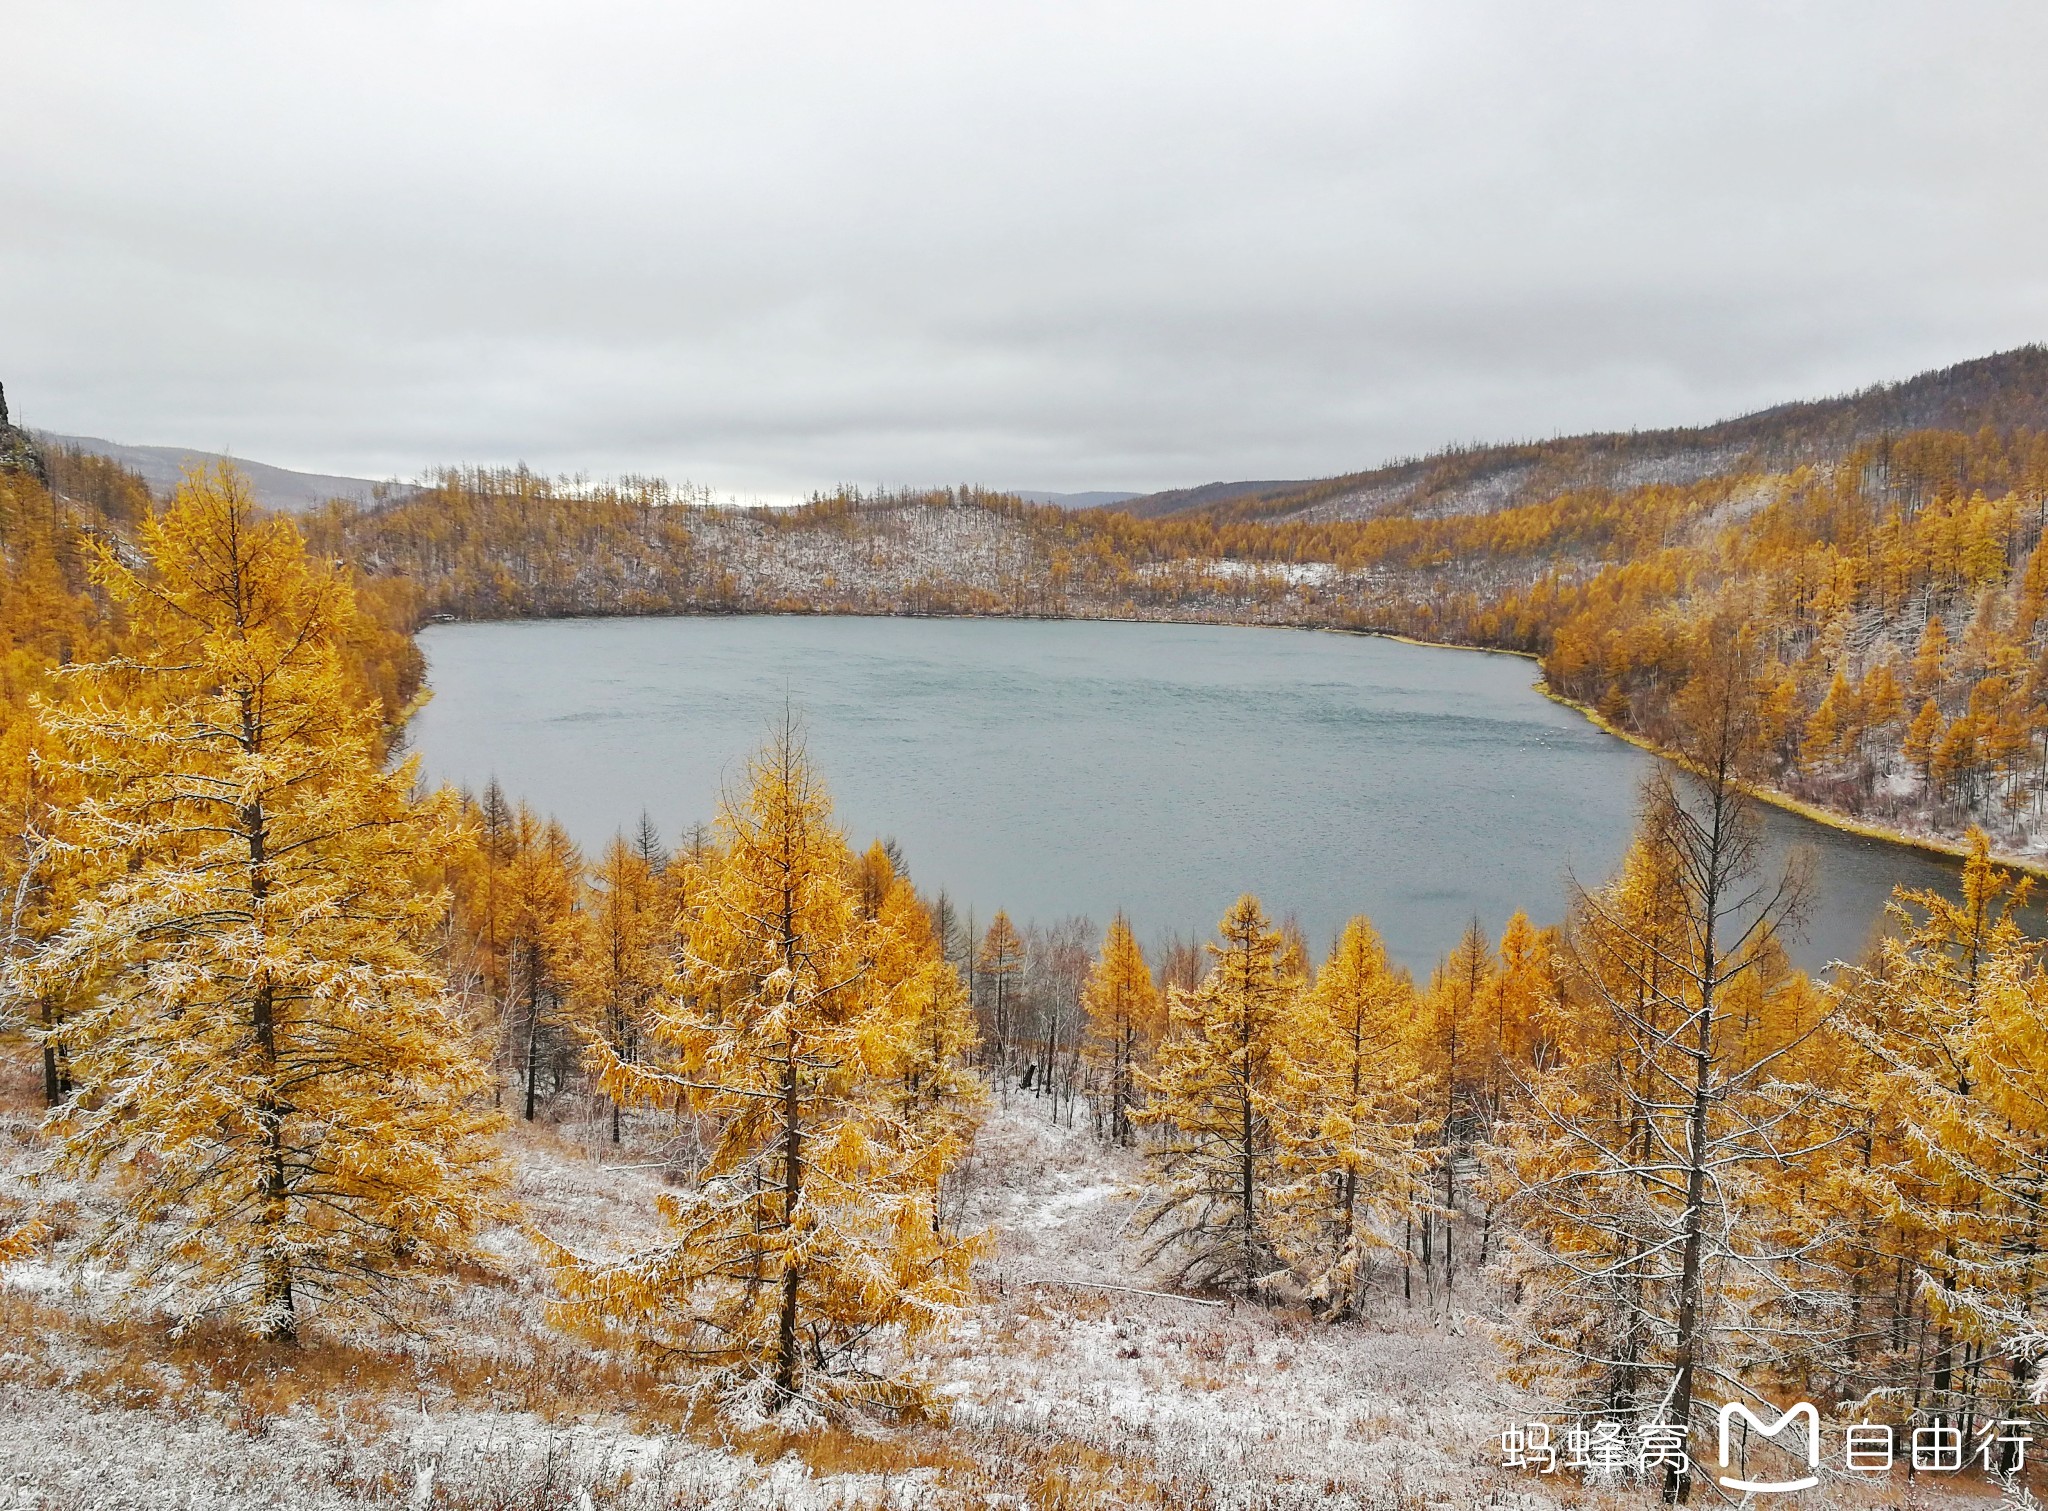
1067, 1387
1233, 1404
1293, 573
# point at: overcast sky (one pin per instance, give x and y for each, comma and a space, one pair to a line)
769, 247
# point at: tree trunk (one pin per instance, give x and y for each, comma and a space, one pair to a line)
532, 1026
1247, 1168
792, 1188
280, 1319
1677, 1484
1692, 1271
55, 1084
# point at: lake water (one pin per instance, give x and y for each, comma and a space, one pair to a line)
1055, 768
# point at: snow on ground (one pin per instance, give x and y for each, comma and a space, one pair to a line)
1293, 574
55, 1456
1255, 1408
1067, 1388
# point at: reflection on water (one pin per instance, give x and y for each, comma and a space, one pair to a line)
1056, 768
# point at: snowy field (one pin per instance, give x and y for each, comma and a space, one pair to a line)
1065, 1386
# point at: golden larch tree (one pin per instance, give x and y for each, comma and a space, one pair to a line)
939, 1100
268, 1056
1452, 1044
808, 1239
1950, 1019
1224, 1081
1126, 1016
543, 885
1349, 1136
622, 943
1000, 962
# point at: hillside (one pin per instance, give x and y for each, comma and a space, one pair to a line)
2005, 391
276, 487
1060, 1391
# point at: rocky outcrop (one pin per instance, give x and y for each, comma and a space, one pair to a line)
18, 452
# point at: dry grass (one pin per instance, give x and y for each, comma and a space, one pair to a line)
1063, 1397
342, 1411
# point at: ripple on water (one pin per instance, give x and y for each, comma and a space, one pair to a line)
1077, 767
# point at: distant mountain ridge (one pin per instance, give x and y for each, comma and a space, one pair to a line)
1204, 496
162, 467
2008, 390
1097, 499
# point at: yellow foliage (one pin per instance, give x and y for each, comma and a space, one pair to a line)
1225, 1080
265, 1046
1950, 1022
1348, 1143
1126, 1018
812, 1234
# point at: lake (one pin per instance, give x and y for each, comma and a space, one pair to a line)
1063, 767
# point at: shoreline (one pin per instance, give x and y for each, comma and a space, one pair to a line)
1842, 823
1925, 844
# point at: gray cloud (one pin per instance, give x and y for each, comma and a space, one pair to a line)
774, 246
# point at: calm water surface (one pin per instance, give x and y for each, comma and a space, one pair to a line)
1057, 768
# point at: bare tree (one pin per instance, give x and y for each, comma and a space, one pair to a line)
1059, 959
1650, 1265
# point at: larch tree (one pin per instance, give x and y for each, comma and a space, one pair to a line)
1650, 1253
1000, 962
808, 1239
42, 895
934, 1023
947, 928
873, 874
622, 948
543, 885
939, 1099
1584, 1312
647, 844
478, 955
2002, 1307
1522, 1008
1950, 1020
268, 1054
496, 846
1454, 1055
1348, 1146
1126, 1018
1224, 1081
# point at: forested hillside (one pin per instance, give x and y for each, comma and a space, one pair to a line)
2007, 391
1893, 598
